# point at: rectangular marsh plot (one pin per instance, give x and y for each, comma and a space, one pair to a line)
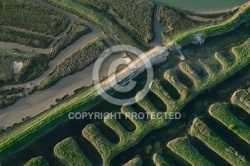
134, 162
221, 113
70, 153
200, 130
159, 161
37, 161
242, 99
182, 147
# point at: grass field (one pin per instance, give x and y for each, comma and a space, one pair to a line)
182, 147
138, 15
26, 14
70, 154
200, 130
221, 112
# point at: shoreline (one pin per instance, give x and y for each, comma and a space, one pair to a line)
211, 30
200, 11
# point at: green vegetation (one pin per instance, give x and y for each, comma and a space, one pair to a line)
70, 65
225, 62
37, 161
128, 139
70, 153
183, 148
26, 132
138, 15
110, 27
7, 101
159, 161
200, 130
134, 162
26, 14
242, 99
190, 72
33, 66
75, 31
37, 41
211, 30
11, 91
221, 112
175, 21
21, 136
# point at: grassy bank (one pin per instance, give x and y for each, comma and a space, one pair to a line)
159, 161
242, 99
134, 162
212, 30
70, 153
37, 161
200, 130
220, 111
182, 147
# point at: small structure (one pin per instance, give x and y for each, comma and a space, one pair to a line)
199, 38
17, 66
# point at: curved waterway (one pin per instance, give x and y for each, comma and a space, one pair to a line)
41, 100
202, 5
